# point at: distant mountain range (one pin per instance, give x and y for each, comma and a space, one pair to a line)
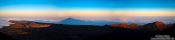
72, 21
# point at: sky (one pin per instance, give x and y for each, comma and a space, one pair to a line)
86, 8
143, 11
113, 4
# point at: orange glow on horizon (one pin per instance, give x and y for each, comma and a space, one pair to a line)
85, 13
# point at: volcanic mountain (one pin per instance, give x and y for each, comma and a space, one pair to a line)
72, 21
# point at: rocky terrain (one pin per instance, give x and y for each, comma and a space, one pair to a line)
29, 30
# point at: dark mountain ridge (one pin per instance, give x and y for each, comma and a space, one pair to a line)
49, 31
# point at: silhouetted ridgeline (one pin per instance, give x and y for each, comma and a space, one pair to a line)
29, 30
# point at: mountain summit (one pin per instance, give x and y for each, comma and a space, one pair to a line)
72, 21
155, 25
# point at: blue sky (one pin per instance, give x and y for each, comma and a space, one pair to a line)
111, 4
24, 5
117, 3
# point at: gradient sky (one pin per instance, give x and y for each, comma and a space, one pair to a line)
108, 10
87, 7
94, 3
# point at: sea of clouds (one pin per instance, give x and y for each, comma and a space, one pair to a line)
144, 20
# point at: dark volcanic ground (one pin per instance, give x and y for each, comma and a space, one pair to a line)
84, 32
89, 32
